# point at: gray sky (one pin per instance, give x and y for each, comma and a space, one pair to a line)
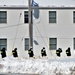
40, 2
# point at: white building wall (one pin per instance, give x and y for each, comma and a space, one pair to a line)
63, 30
15, 30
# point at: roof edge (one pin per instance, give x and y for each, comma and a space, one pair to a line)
35, 7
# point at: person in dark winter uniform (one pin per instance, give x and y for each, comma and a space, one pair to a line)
14, 52
58, 52
43, 52
68, 53
3, 52
30, 52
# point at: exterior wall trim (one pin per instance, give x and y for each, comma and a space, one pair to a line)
22, 7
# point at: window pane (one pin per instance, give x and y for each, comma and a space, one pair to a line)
73, 16
2, 13
26, 20
26, 12
73, 13
2, 20
74, 43
73, 20
3, 43
3, 46
3, 16
52, 47
27, 48
52, 20
74, 40
53, 43
74, 46
26, 17
26, 43
52, 13
52, 16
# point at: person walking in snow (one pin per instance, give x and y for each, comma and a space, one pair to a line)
3, 52
58, 51
43, 52
30, 52
68, 53
14, 52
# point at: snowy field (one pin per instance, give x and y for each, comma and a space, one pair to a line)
41, 66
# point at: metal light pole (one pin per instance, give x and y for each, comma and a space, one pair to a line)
30, 25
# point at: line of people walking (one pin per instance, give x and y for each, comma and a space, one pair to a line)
3, 52
15, 54
43, 52
59, 51
31, 53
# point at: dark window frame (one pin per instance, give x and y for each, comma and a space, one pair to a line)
73, 16
3, 44
26, 17
53, 44
51, 17
3, 18
74, 43
26, 44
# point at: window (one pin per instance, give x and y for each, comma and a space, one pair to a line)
3, 43
73, 16
26, 43
26, 17
74, 43
52, 43
3, 16
52, 16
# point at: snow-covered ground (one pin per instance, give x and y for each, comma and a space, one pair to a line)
41, 66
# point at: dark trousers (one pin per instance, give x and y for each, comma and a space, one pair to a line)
14, 53
3, 54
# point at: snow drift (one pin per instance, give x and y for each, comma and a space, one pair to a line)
38, 66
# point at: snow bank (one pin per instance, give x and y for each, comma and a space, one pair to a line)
37, 66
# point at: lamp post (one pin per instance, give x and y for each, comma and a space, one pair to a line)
30, 25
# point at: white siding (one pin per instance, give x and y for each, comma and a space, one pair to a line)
63, 30
9, 32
